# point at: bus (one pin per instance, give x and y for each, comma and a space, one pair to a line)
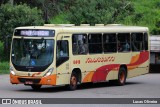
65, 54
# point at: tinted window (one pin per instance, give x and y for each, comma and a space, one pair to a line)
137, 41
62, 52
36, 54
109, 43
123, 42
95, 43
79, 44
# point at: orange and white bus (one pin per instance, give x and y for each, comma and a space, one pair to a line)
65, 54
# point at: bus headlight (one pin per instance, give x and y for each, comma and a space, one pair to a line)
12, 71
49, 72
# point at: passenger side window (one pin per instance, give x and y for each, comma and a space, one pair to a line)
95, 43
110, 43
62, 53
123, 42
137, 41
79, 44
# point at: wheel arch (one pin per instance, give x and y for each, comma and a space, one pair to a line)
78, 72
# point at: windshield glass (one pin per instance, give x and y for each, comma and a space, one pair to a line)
32, 53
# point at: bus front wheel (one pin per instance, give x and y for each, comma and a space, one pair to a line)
73, 82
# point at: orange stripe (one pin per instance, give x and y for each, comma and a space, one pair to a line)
132, 67
88, 77
49, 80
134, 58
14, 79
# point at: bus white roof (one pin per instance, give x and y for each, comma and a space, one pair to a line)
87, 29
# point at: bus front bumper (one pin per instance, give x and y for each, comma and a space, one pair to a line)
47, 80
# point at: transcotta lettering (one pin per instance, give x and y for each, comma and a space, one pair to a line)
100, 59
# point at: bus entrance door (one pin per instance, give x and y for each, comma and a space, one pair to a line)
62, 59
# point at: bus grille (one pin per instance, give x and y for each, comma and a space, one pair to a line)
23, 80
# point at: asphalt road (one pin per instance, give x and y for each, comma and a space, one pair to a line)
144, 86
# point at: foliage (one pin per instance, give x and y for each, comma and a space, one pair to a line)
59, 19
156, 29
3, 1
4, 67
128, 12
1, 51
99, 11
15, 16
50, 8
18, 15
146, 14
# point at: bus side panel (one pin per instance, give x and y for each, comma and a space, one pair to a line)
139, 64
112, 75
63, 79
139, 70
63, 73
136, 65
122, 58
109, 69
88, 64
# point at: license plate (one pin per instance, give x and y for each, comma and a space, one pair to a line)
28, 82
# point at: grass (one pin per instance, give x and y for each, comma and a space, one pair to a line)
4, 67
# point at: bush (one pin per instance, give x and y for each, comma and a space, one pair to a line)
15, 16
60, 19
18, 15
4, 67
156, 31
1, 51
99, 11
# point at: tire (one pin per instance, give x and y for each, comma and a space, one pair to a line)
122, 75
36, 87
73, 82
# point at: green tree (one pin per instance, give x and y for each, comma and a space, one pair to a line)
99, 11
14, 16
3, 1
50, 8
156, 29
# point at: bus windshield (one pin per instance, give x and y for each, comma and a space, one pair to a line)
32, 53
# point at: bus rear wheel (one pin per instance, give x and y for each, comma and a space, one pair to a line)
36, 87
122, 75
73, 82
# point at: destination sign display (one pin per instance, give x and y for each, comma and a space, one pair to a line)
34, 33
